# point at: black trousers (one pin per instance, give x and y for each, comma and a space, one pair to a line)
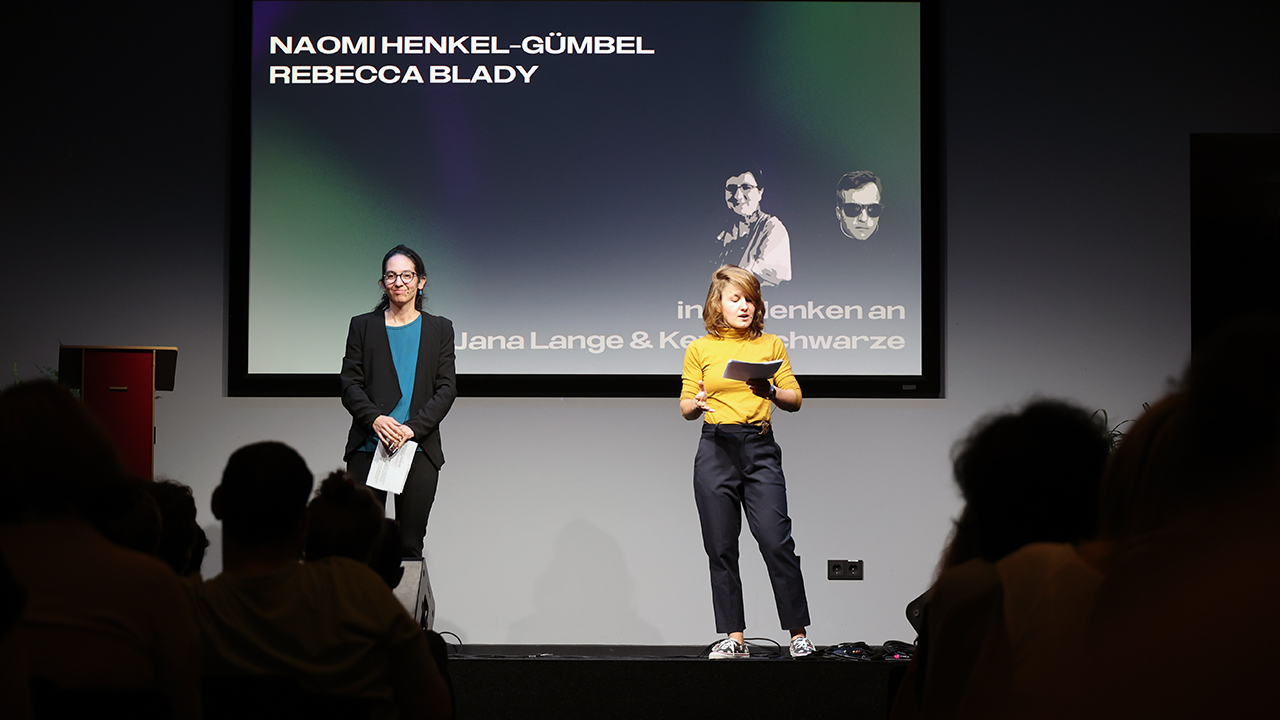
738, 468
413, 506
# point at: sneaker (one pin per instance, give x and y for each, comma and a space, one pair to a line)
728, 649
801, 647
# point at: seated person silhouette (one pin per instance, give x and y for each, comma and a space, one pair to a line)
103, 630
1011, 584
333, 624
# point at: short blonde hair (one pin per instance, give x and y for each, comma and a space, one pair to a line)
727, 275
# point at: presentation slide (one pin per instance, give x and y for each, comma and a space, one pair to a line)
573, 172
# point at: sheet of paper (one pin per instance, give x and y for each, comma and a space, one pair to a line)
389, 470
740, 370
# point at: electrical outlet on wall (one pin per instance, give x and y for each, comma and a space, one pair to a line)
844, 569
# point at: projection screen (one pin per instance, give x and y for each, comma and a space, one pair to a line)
573, 172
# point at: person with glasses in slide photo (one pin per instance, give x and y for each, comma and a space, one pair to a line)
398, 383
753, 239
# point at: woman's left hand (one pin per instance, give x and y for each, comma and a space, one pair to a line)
761, 387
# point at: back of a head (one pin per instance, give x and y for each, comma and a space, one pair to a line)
52, 448
263, 493
178, 530
1148, 481
346, 520
1031, 476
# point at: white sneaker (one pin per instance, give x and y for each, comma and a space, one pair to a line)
728, 649
801, 647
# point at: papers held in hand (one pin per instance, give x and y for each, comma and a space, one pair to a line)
739, 370
390, 469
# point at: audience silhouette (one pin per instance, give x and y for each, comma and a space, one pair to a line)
1030, 483
104, 630
332, 625
1182, 622
347, 521
1182, 563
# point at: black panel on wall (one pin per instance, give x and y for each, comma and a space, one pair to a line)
1235, 226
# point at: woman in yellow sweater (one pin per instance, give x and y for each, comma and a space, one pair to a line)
739, 465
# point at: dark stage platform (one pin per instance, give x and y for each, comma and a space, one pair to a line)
611, 681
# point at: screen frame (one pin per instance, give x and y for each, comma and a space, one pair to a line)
928, 384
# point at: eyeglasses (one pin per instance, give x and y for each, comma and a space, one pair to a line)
406, 277
854, 209
733, 189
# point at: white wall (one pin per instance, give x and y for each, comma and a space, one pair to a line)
572, 520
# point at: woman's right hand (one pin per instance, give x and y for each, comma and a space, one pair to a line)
700, 400
691, 408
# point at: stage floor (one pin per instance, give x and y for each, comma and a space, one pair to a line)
648, 681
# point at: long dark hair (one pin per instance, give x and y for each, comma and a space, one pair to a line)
418, 267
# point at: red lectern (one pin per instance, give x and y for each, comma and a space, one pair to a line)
118, 385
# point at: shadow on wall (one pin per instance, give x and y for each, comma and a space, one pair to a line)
586, 592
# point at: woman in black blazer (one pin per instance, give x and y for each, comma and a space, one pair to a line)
398, 383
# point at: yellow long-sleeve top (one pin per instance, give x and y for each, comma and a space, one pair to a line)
732, 400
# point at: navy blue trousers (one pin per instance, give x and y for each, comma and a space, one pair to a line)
413, 506
739, 468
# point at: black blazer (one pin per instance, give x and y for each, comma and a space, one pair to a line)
370, 386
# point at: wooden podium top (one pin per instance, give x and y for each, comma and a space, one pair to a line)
117, 347
71, 359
